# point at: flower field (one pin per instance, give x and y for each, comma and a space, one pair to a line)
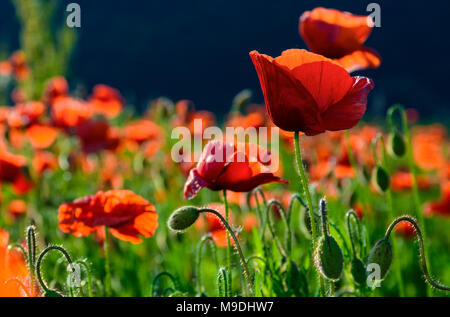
98, 199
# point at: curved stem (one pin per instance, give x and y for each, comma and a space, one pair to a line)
205, 239
261, 215
236, 241
336, 228
229, 254
222, 279
352, 214
39, 263
288, 236
295, 197
423, 262
159, 276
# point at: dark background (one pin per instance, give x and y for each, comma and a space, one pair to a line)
198, 49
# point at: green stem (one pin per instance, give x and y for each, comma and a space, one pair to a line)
108, 286
31, 245
422, 256
288, 235
229, 254
158, 277
88, 275
236, 242
305, 189
205, 239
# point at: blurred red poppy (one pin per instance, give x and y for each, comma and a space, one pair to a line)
126, 214
68, 112
11, 172
442, 206
310, 93
106, 100
142, 130
41, 136
237, 167
17, 207
15, 280
97, 135
405, 229
43, 161
19, 65
24, 114
340, 36
56, 87
214, 225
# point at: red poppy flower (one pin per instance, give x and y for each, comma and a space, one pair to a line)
442, 206
237, 167
56, 87
142, 130
340, 36
41, 136
97, 135
6, 68
43, 161
19, 65
11, 172
125, 213
405, 229
17, 207
310, 93
24, 114
402, 180
106, 100
13, 266
69, 112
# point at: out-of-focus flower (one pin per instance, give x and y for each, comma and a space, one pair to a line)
97, 135
11, 171
126, 214
237, 167
310, 93
6, 68
17, 138
43, 161
146, 133
41, 136
442, 206
340, 36
106, 100
250, 221
402, 180
57, 87
25, 114
68, 112
405, 229
15, 280
19, 65
206, 118
427, 146
17, 207
109, 174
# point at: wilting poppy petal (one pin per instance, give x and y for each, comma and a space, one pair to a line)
41, 136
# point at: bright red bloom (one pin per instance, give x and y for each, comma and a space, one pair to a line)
340, 36
69, 112
125, 213
310, 93
237, 167
106, 100
405, 229
41, 136
97, 135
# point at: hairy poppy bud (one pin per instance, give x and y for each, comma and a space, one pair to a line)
381, 254
52, 293
183, 218
396, 145
358, 271
380, 179
328, 258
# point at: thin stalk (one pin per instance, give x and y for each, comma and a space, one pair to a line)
227, 217
307, 194
108, 286
88, 275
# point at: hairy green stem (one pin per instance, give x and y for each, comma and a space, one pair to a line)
229, 254
108, 285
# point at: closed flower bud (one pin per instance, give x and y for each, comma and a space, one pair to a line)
396, 145
328, 258
358, 271
380, 179
381, 254
183, 218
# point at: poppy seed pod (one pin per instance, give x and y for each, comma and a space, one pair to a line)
396, 145
380, 179
381, 254
183, 218
328, 258
358, 271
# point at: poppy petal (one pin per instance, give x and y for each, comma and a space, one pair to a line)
360, 59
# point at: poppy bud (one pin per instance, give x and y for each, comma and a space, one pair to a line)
380, 179
381, 254
358, 271
396, 145
52, 293
183, 218
328, 258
